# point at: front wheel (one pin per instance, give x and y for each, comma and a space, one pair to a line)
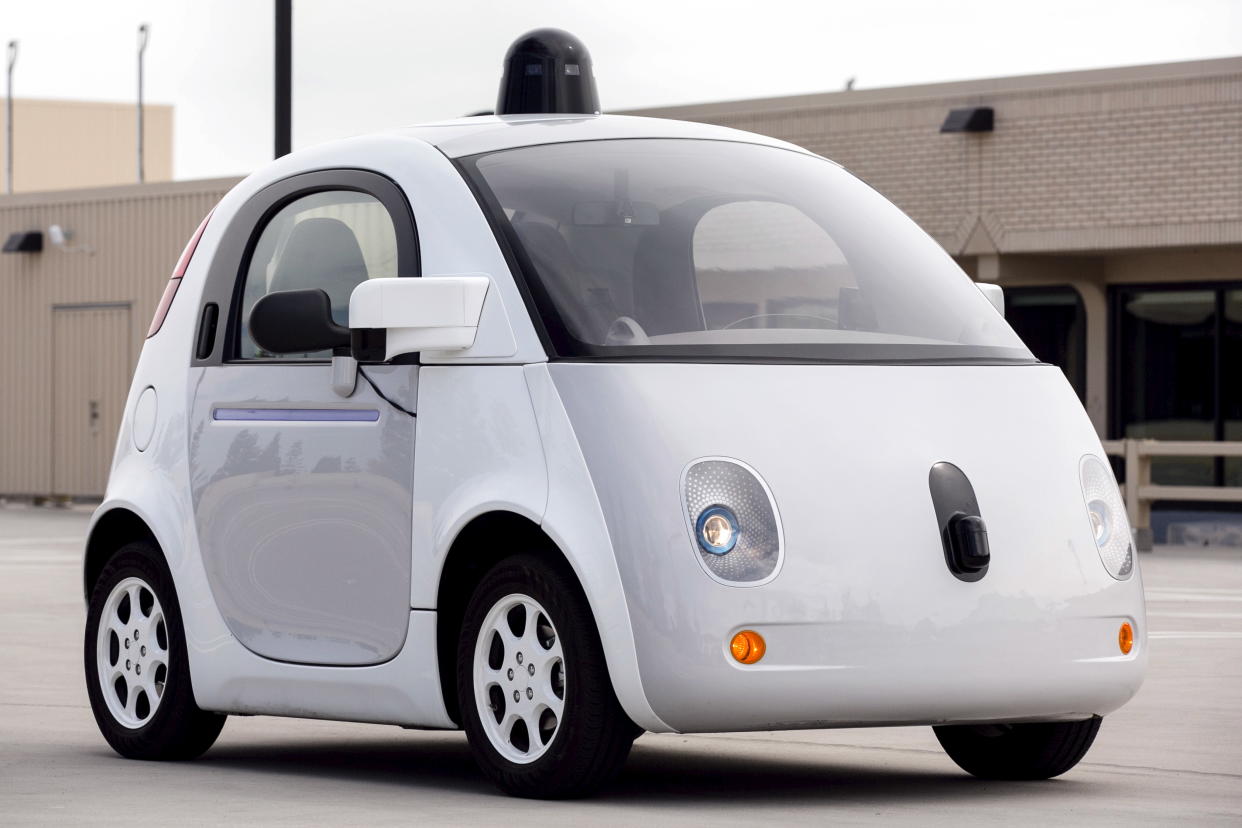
1035, 750
137, 670
536, 700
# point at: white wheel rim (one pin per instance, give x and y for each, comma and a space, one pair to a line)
131, 653
519, 678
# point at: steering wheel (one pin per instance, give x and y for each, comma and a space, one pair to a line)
831, 322
625, 330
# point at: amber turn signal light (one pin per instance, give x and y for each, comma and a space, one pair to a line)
1125, 638
748, 646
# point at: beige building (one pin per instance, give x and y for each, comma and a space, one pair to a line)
60, 145
72, 321
1108, 204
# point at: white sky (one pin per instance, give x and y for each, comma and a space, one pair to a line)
363, 65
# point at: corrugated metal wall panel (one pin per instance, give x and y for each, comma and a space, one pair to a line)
124, 243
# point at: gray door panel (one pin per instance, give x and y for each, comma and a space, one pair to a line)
303, 503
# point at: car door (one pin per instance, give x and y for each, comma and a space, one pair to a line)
303, 496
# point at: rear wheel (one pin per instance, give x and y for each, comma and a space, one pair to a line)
1036, 750
137, 672
536, 700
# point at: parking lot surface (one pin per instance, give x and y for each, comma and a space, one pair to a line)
1173, 755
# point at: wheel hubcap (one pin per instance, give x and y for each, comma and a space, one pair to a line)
132, 653
519, 678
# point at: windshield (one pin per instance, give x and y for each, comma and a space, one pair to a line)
702, 249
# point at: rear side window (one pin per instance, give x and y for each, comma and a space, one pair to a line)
329, 241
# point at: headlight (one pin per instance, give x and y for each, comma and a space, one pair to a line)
732, 518
1106, 517
717, 530
1097, 511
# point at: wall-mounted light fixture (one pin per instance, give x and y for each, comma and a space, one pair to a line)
968, 119
25, 241
60, 237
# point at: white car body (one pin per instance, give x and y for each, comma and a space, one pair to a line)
318, 593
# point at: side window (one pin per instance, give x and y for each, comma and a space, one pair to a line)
764, 264
330, 240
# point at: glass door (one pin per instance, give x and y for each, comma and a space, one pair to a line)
1177, 354
1231, 381
1165, 363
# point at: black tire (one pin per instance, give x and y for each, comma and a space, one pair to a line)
1038, 750
177, 729
594, 735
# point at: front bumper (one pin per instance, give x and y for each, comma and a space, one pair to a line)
848, 674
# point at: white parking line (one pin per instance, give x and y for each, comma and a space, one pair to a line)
74, 560
1206, 590
1224, 616
1197, 596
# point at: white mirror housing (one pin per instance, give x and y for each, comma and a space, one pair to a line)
431, 313
994, 294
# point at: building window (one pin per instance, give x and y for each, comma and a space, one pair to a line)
1165, 364
1053, 323
1176, 355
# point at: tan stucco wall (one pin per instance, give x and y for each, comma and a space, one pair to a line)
61, 145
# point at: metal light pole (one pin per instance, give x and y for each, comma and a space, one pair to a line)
143, 33
284, 77
8, 119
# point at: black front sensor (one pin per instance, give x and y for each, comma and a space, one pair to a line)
963, 533
967, 542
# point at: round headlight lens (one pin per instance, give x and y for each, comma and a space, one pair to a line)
1106, 516
717, 530
732, 522
1097, 511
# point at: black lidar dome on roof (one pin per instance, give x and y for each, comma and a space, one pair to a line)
547, 71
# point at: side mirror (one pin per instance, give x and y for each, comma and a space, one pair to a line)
296, 322
994, 294
432, 313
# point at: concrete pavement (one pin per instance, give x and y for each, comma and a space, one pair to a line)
1174, 754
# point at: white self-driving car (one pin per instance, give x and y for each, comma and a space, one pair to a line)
558, 428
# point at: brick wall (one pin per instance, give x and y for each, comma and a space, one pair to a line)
1138, 157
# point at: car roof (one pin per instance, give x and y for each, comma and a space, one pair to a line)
489, 133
